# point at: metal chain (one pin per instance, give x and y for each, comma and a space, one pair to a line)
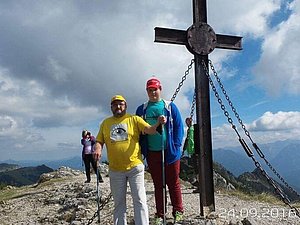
186, 73
278, 190
90, 221
103, 203
191, 117
182, 80
244, 144
193, 105
258, 150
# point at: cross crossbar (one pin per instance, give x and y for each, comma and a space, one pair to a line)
173, 36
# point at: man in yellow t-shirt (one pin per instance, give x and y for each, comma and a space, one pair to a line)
120, 133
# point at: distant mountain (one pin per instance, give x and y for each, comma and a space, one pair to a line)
23, 176
222, 177
287, 163
73, 162
283, 156
232, 161
288, 158
227, 175
7, 167
256, 182
293, 179
269, 150
249, 182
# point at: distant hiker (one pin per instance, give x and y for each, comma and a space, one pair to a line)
88, 142
189, 146
120, 133
169, 143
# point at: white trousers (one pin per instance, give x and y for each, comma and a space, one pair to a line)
118, 185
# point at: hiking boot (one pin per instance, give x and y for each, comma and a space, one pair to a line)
158, 221
100, 179
178, 218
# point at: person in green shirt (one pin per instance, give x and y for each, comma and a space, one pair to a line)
189, 147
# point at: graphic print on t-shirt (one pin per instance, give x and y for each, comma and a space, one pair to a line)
119, 132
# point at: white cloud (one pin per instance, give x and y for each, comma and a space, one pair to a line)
58, 72
280, 58
247, 17
279, 121
27, 113
63, 61
270, 127
7, 124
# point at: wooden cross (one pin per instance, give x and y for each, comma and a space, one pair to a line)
200, 39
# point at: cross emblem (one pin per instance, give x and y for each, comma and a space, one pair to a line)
200, 39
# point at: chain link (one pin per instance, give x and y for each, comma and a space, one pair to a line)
186, 73
243, 143
191, 118
193, 106
182, 80
278, 190
103, 202
100, 202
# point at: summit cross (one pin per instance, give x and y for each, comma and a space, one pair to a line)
200, 39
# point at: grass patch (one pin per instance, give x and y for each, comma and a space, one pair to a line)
13, 192
18, 192
263, 197
51, 182
7, 194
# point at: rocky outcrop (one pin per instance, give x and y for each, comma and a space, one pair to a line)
223, 179
62, 197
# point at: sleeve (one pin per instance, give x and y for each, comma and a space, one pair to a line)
139, 111
100, 135
141, 123
178, 130
93, 140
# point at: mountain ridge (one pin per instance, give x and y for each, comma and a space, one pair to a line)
23, 175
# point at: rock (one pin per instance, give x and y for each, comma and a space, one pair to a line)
71, 201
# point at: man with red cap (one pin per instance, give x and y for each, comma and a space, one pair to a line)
120, 133
168, 142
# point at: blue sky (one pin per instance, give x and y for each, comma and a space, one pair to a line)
61, 61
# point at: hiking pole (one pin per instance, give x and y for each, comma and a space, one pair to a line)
98, 192
163, 173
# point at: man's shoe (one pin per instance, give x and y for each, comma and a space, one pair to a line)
87, 181
158, 221
178, 218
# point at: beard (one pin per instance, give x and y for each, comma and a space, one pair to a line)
119, 113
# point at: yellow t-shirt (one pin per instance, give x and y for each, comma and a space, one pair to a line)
121, 137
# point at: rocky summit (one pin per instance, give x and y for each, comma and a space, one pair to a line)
62, 197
